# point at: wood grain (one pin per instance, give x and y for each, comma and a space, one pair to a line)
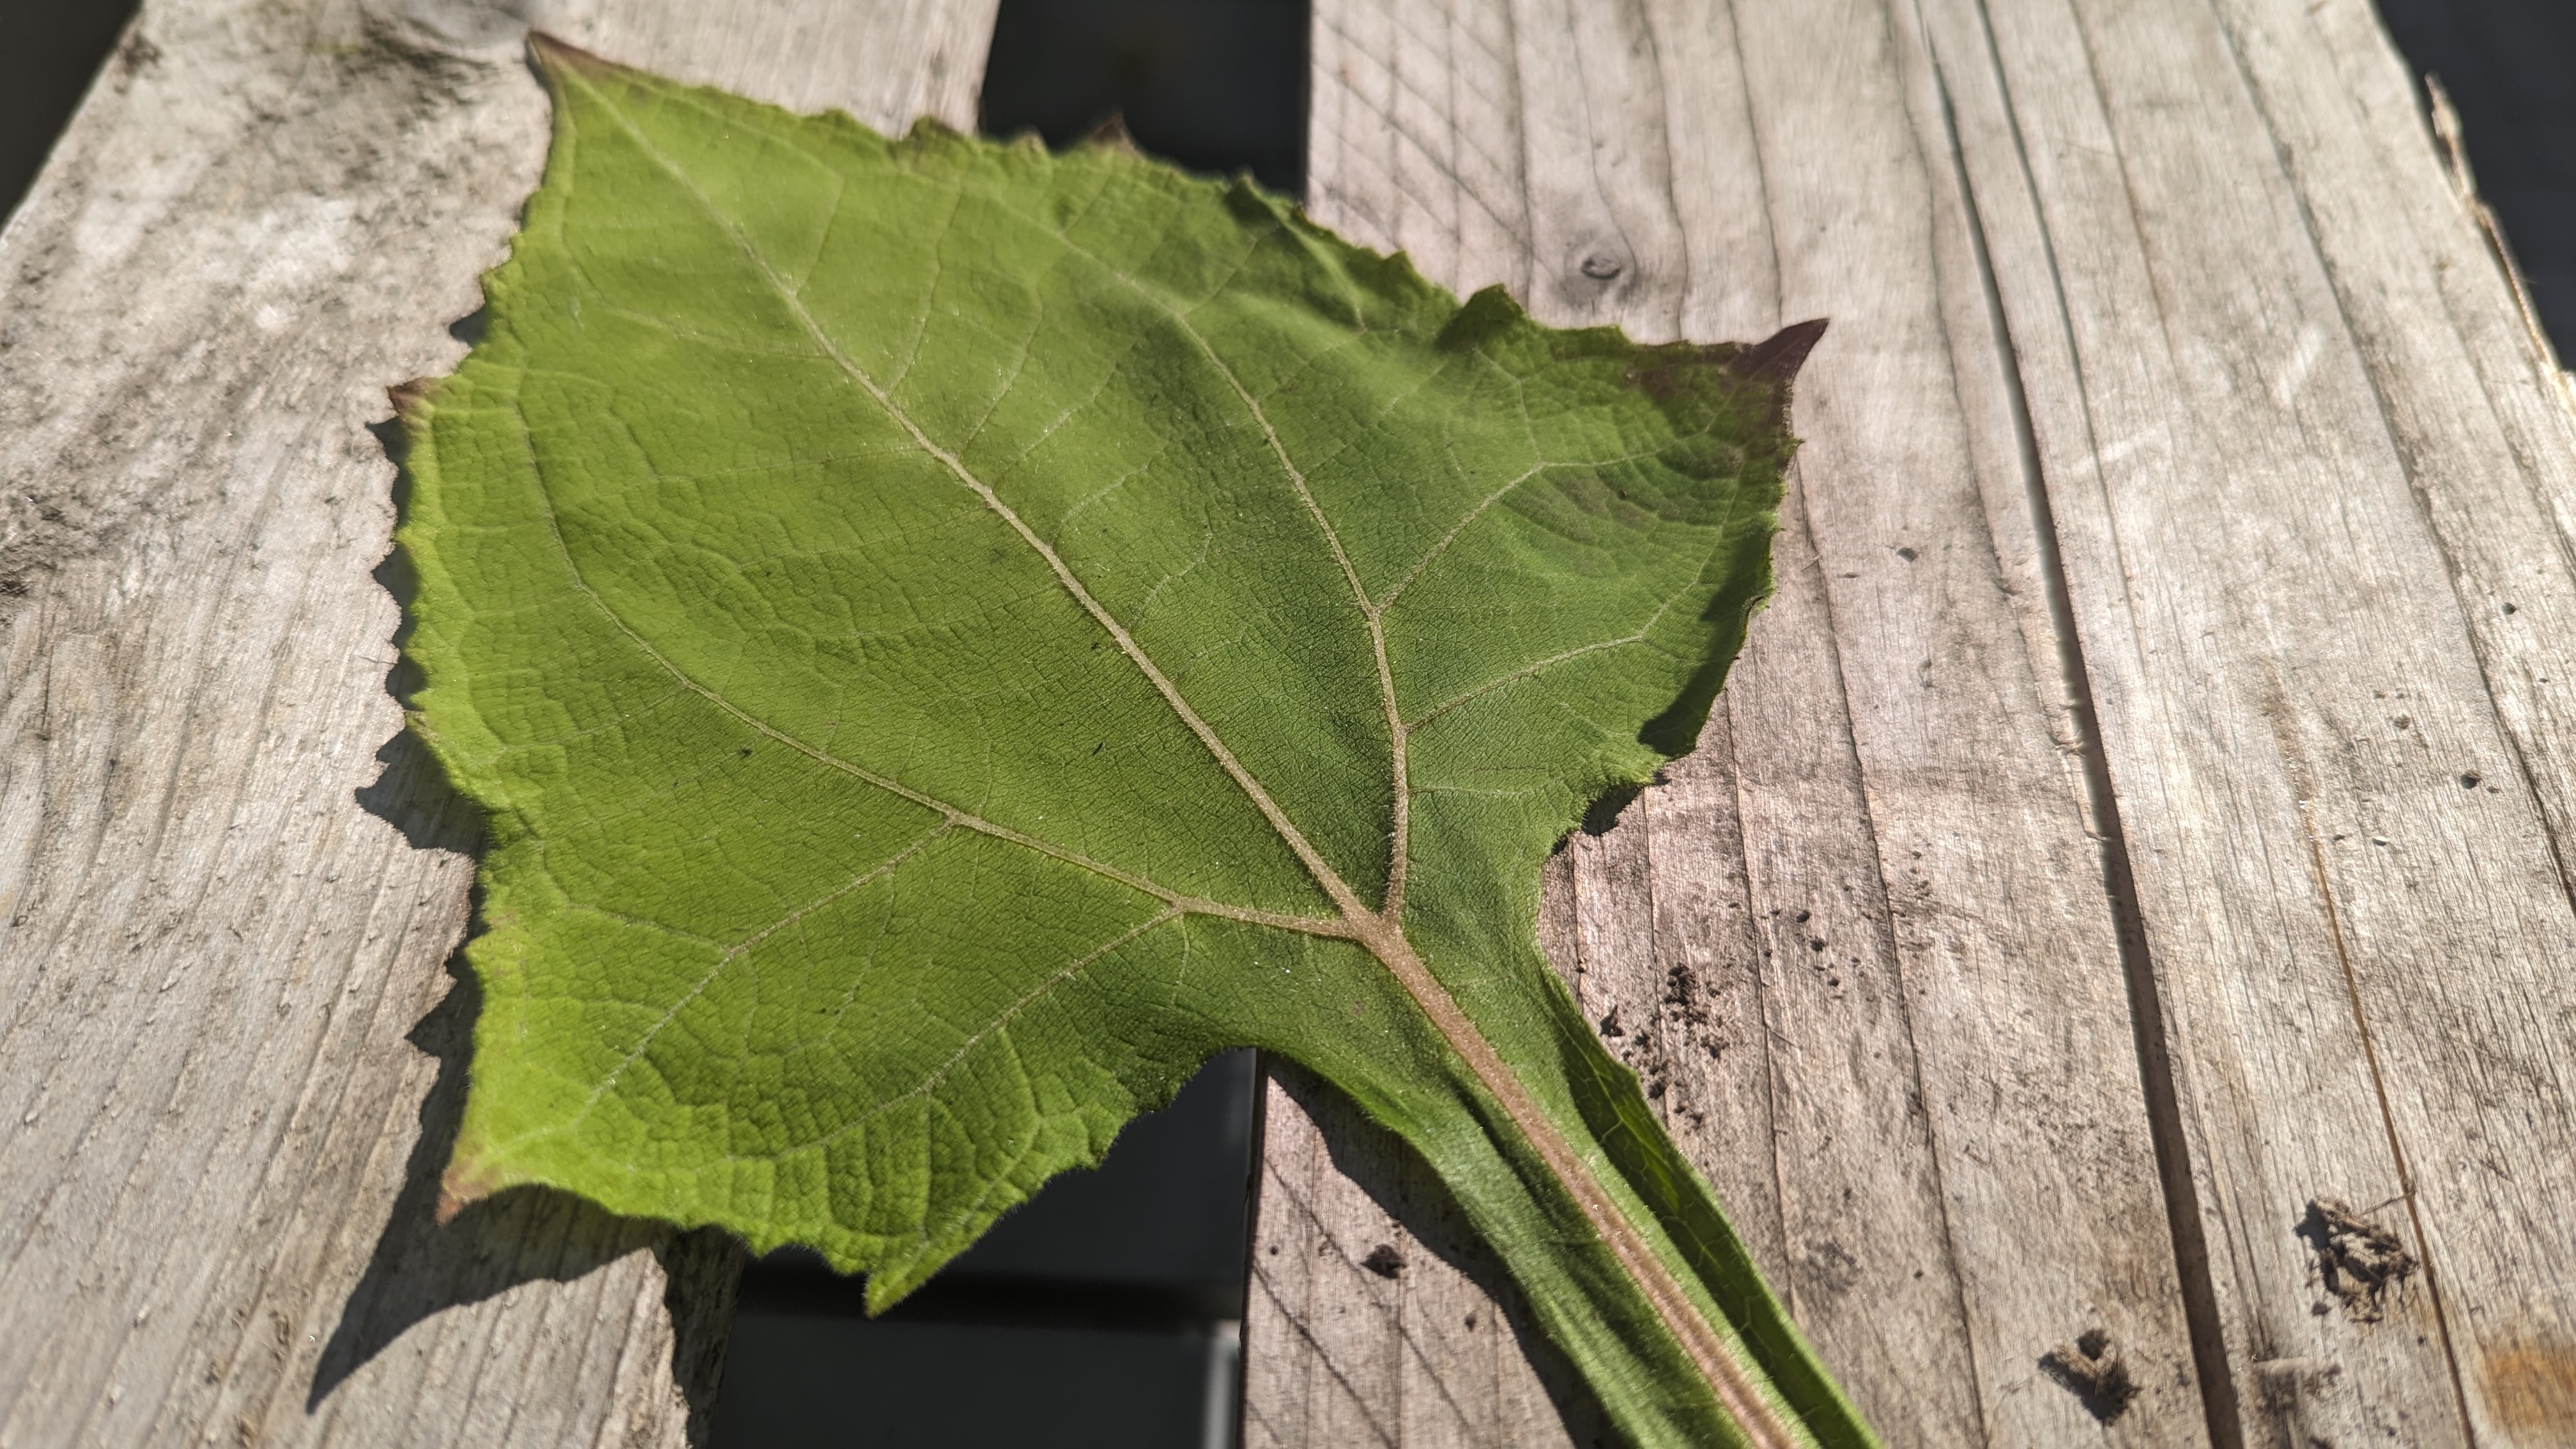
1861, 944
232, 1052
2306, 461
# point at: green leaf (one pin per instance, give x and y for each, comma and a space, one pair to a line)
948, 637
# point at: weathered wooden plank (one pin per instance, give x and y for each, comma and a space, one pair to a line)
223, 923
2008, 949
2304, 456
1876, 871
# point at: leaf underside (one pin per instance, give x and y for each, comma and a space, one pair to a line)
949, 636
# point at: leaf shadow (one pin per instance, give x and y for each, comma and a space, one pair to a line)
421, 1267
1400, 1184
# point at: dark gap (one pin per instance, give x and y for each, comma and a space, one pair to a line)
795, 1283
49, 51
1212, 85
1126, 1283
2504, 64
2219, 1402
839, 1381
1256, 1137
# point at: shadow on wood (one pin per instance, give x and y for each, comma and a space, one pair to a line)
524, 1235
1444, 1294
519, 1236
421, 1267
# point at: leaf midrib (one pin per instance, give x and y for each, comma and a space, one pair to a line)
1380, 931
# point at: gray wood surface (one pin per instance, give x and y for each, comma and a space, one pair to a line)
1861, 941
2182, 537
2309, 467
232, 1050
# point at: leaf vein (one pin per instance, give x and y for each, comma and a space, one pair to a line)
741, 949
930, 1082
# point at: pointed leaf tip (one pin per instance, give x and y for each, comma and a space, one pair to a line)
557, 57
1774, 362
411, 400
1112, 134
470, 1177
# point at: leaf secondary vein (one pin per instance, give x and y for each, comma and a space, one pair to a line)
930, 1080
1393, 905
1398, 846
1175, 903
1007, 1015
743, 948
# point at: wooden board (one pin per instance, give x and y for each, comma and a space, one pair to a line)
1862, 941
2174, 367
2309, 468
232, 1051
